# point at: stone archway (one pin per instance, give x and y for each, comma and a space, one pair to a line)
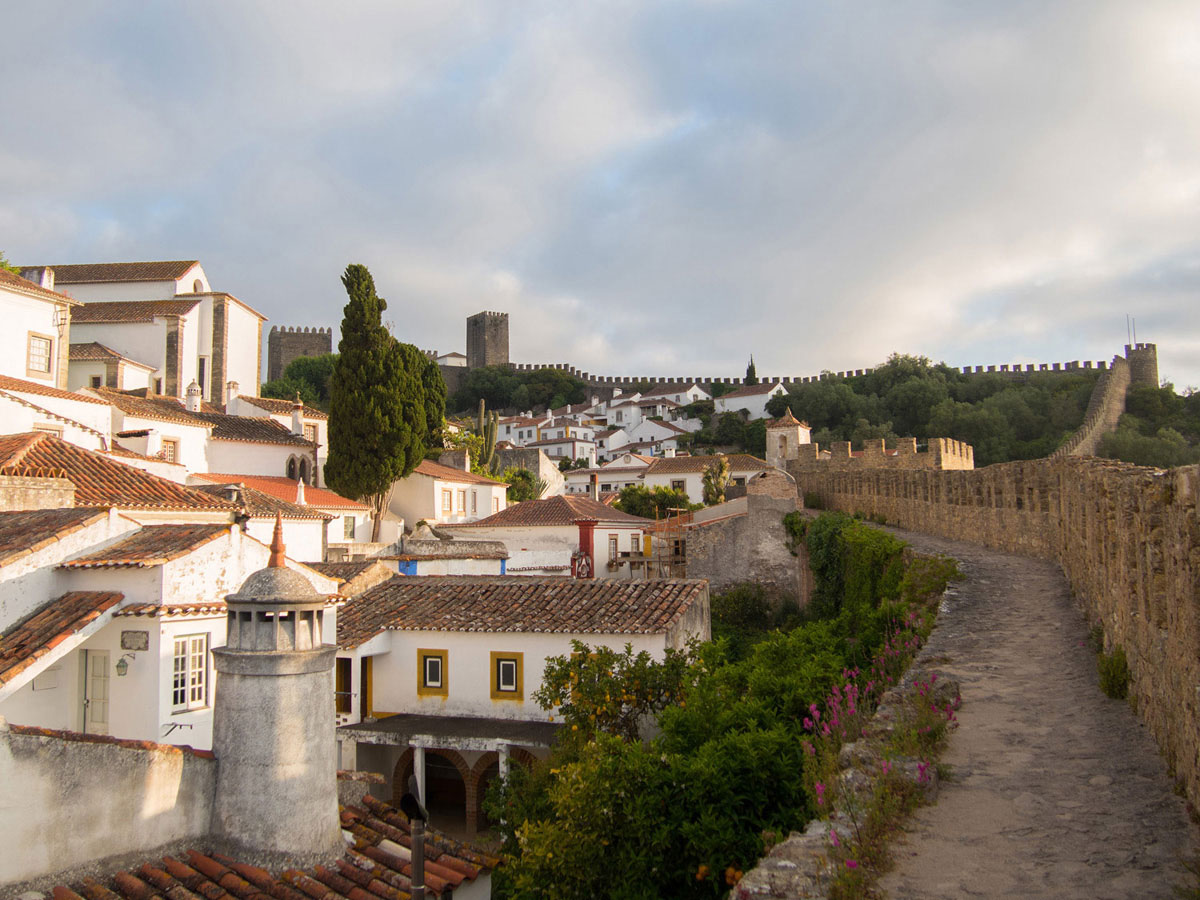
449, 788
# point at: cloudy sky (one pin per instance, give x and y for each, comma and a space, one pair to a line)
645, 187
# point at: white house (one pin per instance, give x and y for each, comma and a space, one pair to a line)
686, 473
37, 332
560, 448
427, 554
449, 666
609, 441
307, 422
117, 637
544, 536
680, 394
36, 406
440, 494
304, 527
94, 365
752, 398
520, 431
658, 432
166, 315
620, 472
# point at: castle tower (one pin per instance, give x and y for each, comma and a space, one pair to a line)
1143, 363
286, 344
487, 340
784, 437
273, 721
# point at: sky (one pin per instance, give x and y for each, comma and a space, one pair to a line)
647, 188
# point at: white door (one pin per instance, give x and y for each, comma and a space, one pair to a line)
95, 692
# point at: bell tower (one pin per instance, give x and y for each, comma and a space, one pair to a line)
273, 721
784, 437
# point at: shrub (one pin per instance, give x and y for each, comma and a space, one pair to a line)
1114, 674
812, 500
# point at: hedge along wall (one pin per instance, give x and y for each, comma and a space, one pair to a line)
1126, 536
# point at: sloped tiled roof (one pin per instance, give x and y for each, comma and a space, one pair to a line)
282, 407
21, 386
563, 509
248, 428
98, 481
93, 273
155, 406
786, 419
25, 532
376, 865
506, 604
129, 310
150, 547
663, 389
354, 578
24, 286
751, 390
738, 462
342, 571
94, 351
546, 442
261, 505
433, 469
34, 637
285, 489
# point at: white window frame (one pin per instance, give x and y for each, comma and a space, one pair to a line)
189, 673
503, 665
39, 340
447, 500
426, 681
349, 524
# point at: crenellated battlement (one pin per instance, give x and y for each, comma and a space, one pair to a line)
299, 329
945, 454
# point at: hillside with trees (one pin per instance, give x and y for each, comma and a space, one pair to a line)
504, 388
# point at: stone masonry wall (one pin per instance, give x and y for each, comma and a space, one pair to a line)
1127, 538
1104, 409
286, 344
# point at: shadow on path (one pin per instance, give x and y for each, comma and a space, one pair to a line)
1055, 790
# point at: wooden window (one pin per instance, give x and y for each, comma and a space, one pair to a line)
474, 502
343, 696
170, 450
495, 504
41, 354
447, 500
310, 433
679, 484
431, 673
189, 683
462, 500
348, 525
97, 381
158, 385
508, 675
613, 550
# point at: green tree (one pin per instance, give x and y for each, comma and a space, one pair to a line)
434, 388
377, 407
751, 372
310, 375
7, 266
649, 503
523, 485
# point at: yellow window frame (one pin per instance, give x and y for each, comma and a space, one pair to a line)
495, 658
441, 690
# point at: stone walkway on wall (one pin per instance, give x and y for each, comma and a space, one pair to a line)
1055, 790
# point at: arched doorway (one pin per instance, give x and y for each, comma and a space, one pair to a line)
446, 780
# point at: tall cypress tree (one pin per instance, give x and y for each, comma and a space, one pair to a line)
435, 403
376, 402
751, 373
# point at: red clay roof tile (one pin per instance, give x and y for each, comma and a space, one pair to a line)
26, 532
130, 310
36, 635
432, 469
507, 604
24, 286
738, 462
93, 273
152, 546
563, 509
285, 489
21, 386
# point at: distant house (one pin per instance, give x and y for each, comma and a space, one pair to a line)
680, 394
36, 406
559, 448
752, 398
95, 365
686, 473
542, 536
37, 332
620, 472
441, 495
165, 315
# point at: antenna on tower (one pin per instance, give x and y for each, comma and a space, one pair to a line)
1128, 334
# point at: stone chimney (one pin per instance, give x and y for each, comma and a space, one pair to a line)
594, 487
669, 452
273, 722
194, 398
300, 493
231, 396
42, 276
298, 416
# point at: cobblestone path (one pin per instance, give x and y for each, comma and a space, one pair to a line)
1055, 790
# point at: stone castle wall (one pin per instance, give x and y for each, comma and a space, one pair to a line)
287, 343
487, 340
1105, 407
1127, 537
941, 453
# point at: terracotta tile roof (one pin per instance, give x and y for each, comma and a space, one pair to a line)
22, 533
150, 547
24, 286
562, 440
129, 310
93, 273
376, 865
261, 505
432, 469
342, 571
663, 389
248, 428
21, 386
174, 610
787, 419
751, 390
155, 406
94, 351
98, 480
35, 636
437, 549
282, 407
285, 489
42, 411
503, 603
738, 462
563, 509
670, 426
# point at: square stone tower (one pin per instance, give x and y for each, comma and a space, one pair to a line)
487, 340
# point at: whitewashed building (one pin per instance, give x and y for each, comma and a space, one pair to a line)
440, 494
752, 398
686, 473
37, 332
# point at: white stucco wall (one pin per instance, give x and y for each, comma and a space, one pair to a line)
17, 418
144, 341
241, 358
122, 290
80, 373
250, 458
757, 404
468, 670
301, 536
192, 440
551, 546
420, 497
23, 315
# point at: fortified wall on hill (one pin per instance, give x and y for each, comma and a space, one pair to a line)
942, 453
1126, 536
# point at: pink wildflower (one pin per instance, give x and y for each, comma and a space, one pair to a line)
820, 794
851, 864
833, 838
